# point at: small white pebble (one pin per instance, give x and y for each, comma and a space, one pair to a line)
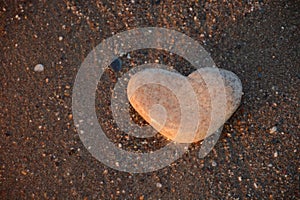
213, 163
39, 68
159, 185
273, 129
240, 178
60, 38
255, 185
275, 154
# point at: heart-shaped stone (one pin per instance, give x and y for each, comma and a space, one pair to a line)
185, 109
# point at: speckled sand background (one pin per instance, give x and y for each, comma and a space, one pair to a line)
41, 155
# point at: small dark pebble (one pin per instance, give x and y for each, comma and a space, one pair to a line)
63, 57
116, 65
72, 151
275, 141
8, 133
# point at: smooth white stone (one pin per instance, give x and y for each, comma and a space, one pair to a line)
39, 68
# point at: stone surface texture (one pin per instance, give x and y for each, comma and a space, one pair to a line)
185, 109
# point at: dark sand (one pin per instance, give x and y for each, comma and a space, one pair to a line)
41, 154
